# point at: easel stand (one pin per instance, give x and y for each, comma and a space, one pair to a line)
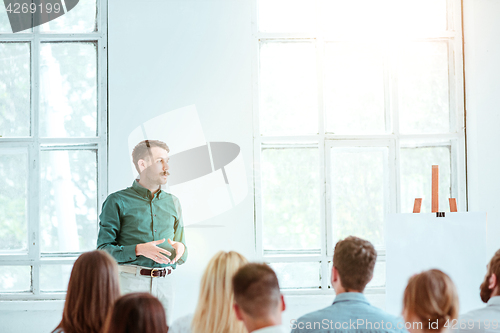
435, 196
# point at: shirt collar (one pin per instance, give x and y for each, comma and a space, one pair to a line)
142, 191
494, 301
349, 296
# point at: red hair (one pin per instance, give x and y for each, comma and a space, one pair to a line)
137, 312
92, 289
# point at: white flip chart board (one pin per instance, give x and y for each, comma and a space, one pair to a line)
455, 244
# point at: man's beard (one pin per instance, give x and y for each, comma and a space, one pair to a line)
485, 291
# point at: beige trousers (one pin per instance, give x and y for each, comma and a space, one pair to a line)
160, 287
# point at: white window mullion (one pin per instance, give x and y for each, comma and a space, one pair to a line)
257, 171
320, 51
394, 206
34, 186
393, 86
328, 199
452, 90
257, 185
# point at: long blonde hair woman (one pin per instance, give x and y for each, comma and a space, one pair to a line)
214, 312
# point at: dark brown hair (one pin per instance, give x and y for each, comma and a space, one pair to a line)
256, 289
431, 296
141, 150
354, 258
92, 289
493, 268
137, 312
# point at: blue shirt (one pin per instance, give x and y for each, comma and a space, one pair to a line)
350, 312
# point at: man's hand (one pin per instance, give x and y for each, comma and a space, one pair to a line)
179, 249
153, 252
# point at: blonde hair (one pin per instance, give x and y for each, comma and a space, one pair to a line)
431, 296
214, 312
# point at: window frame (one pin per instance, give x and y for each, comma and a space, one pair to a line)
324, 140
35, 144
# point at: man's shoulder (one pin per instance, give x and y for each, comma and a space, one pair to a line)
342, 311
362, 316
486, 311
171, 198
318, 314
118, 194
170, 195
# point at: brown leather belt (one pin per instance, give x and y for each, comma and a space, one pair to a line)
138, 270
156, 272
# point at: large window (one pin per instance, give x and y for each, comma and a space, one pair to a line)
53, 141
354, 101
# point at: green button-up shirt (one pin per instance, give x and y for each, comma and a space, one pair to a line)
133, 216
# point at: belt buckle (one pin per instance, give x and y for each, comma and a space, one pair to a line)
154, 270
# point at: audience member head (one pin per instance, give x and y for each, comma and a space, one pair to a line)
430, 299
257, 297
142, 151
214, 311
489, 287
137, 312
353, 263
92, 289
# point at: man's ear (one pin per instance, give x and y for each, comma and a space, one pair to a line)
493, 281
283, 305
335, 275
142, 164
237, 311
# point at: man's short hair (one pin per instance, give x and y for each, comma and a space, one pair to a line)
493, 268
141, 150
256, 289
354, 258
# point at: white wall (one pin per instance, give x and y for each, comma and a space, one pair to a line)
167, 54
164, 55
482, 72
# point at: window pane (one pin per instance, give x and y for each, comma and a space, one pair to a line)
423, 88
288, 89
378, 279
357, 191
13, 200
68, 106
81, 18
54, 277
419, 17
379, 18
354, 17
287, 15
290, 199
15, 278
5, 23
297, 275
416, 177
4, 20
354, 89
68, 201
15, 99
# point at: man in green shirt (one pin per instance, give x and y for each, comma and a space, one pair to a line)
136, 221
